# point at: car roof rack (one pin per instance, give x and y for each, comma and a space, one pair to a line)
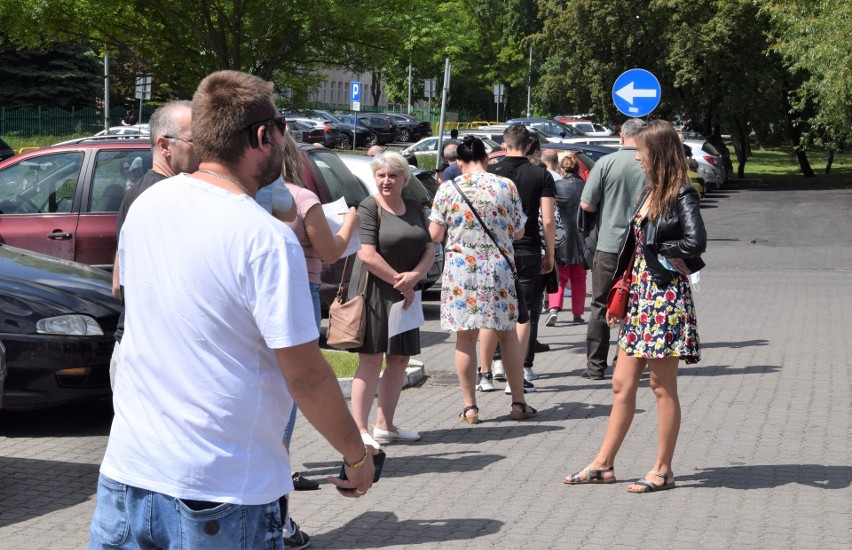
112, 137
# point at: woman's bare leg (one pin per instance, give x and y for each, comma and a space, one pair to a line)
364, 388
465, 356
390, 391
625, 382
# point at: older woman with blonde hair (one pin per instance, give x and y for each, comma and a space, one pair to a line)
396, 253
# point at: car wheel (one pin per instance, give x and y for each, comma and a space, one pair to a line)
373, 139
404, 135
345, 142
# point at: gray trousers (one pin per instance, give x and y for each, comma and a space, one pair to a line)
597, 336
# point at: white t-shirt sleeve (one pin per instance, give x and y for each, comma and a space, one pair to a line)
278, 295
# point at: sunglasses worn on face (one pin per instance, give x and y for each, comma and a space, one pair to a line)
189, 141
280, 122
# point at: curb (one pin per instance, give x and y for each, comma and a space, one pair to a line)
415, 372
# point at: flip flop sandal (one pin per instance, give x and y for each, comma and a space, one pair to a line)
527, 412
651, 487
590, 476
463, 417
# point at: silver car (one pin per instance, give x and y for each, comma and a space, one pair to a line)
710, 164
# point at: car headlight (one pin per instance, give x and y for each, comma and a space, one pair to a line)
69, 325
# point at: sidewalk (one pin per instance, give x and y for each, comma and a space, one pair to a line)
763, 458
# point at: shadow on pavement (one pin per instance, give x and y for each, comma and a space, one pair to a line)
79, 419
381, 529
735, 345
32, 488
770, 476
407, 466
725, 370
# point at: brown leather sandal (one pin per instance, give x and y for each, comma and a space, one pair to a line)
470, 419
527, 412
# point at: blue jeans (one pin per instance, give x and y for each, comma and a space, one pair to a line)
291, 423
128, 517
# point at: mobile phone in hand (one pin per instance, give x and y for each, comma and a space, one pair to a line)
378, 461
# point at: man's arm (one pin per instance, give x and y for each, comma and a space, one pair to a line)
116, 284
588, 207
316, 391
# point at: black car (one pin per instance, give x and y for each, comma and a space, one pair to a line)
410, 129
383, 128
58, 321
360, 134
6, 150
305, 132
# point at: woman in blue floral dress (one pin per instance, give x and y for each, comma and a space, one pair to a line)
664, 244
478, 288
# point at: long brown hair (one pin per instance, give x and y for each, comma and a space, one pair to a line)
664, 162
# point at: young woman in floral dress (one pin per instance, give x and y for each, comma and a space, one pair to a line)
478, 289
665, 241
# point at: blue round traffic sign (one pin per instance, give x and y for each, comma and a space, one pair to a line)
636, 92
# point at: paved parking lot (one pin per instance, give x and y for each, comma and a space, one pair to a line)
763, 459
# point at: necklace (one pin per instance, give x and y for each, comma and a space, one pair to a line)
224, 177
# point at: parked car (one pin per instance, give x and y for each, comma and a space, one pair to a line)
304, 131
133, 130
62, 200
414, 189
498, 129
719, 144
555, 131
58, 322
711, 168
586, 126
6, 150
428, 147
612, 141
588, 155
326, 175
384, 129
348, 132
410, 129
330, 132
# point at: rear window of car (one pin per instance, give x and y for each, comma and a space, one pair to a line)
338, 179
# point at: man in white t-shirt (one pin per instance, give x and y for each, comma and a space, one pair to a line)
215, 350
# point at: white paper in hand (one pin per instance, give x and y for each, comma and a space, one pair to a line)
334, 213
401, 320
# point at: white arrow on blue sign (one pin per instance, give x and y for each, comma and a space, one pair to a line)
636, 92
356, 91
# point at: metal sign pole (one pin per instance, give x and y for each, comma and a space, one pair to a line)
106, 91
446, 91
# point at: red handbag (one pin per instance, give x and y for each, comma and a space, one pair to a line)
619, 294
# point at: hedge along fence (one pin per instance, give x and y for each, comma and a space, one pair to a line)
59, 122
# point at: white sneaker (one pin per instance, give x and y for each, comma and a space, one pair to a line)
368, 440
498, 371
530, 374
528, 388
551, 318
484, 382
401, 434
567, 293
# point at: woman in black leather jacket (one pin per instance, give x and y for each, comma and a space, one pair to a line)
662, 247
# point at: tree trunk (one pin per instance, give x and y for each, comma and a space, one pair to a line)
795, 134
829, 160
741, 147
376, 88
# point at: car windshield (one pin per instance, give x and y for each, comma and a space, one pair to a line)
584, 126
339, 180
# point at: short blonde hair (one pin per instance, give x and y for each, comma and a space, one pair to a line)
392, 160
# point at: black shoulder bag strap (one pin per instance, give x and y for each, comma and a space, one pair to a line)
485, 228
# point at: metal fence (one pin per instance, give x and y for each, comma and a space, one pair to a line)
59, 122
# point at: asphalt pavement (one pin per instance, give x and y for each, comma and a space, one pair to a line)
763, 458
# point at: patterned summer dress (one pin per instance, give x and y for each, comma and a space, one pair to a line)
660, 321
477, 288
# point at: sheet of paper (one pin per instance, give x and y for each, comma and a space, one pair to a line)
334, 212
401, 320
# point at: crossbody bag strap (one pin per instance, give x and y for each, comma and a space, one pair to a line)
485, 228
346, 263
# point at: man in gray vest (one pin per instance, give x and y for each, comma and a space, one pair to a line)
612, 190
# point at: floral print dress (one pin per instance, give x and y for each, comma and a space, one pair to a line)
660, 321
477, 287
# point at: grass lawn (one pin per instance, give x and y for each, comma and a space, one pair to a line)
780, 163
342, 362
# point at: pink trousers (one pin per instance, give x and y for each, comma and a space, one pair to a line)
577, 276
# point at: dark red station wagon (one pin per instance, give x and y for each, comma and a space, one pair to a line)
62, 200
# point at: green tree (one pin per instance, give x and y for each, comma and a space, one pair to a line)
64, 76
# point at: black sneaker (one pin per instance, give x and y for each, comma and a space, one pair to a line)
592, 375
539, 347
301, 483
294, 538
